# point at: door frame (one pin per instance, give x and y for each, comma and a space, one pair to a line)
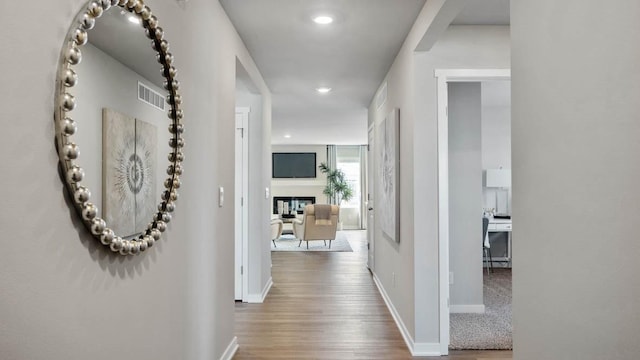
241, 194
371, 225
443, 77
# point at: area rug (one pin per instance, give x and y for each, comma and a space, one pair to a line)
491, 330
290, 243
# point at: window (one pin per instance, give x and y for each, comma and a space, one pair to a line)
348, 159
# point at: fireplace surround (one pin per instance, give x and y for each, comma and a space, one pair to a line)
295, 204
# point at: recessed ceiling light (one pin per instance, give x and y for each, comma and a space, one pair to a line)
323, 90
287, 136
323, 20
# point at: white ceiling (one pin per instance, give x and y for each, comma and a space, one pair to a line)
295, 56
351, 55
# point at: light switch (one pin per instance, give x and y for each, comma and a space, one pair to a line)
266, 193
220, 196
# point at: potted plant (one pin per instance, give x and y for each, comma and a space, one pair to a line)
337, 189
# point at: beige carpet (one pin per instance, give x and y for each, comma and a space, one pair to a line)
491, 330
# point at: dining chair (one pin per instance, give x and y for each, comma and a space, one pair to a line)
486, 246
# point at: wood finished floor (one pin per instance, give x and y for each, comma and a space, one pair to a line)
325, 305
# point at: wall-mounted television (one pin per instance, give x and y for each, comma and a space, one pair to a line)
291, 165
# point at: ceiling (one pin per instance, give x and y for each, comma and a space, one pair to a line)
351, 56
295, 56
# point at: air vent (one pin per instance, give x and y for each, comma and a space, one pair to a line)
382, 96
145, 94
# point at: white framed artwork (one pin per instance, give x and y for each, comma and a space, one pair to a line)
388, 209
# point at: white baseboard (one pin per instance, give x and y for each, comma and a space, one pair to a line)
467, 309
259, 298
426, 349
231, 349
267, 288
416, 349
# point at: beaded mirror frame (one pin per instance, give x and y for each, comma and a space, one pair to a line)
66, 126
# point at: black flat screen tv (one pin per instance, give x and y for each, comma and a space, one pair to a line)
293, 165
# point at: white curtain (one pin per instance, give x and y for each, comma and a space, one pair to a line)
347, 157
331, 162
363, 185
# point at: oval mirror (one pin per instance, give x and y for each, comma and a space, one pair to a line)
115, 91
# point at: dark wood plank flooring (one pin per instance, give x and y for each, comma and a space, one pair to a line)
325, 305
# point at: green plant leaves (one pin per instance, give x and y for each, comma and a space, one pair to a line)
337, 189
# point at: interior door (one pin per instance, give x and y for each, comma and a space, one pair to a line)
371, 228
240, 197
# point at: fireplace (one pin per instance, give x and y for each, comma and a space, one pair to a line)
294, 204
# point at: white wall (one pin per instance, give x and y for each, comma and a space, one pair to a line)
64, 295
496, 124
496, 136
465, 197
412, 88
496, 152
264, 151
301, 187
575, 132
208, 24
391, 258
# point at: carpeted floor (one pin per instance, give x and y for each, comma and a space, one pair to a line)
491, 330
290, 243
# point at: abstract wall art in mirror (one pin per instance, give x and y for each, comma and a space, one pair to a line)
116, 90
128, 166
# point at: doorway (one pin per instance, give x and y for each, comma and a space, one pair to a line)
444, 78
240, 196
251, 258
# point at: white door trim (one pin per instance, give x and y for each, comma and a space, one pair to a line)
444, 76
370, 203
241, 199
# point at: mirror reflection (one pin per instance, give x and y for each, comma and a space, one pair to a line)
122, 115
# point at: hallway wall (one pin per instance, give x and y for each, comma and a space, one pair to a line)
575, 133
63, 295
496, 140
412, 88
460, 47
